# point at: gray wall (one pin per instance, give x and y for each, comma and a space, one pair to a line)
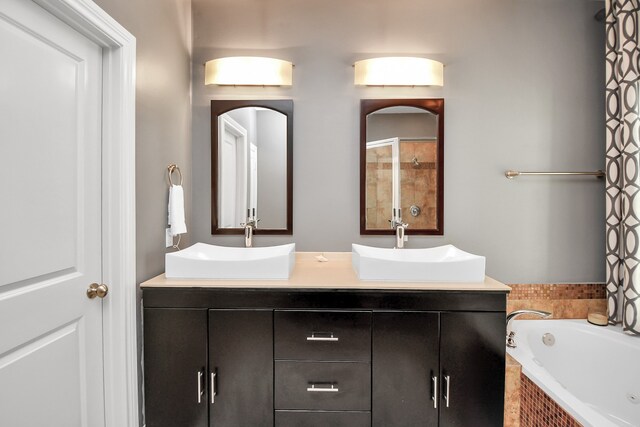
163, 117
383, 126
523, 90
272, 169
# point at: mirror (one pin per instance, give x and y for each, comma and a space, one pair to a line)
251, 166
402, 165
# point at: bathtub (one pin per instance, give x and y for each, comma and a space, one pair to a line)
592, 372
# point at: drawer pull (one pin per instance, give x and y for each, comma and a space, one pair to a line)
331, 389
434, 380
213, 387
200, 390
447, 380
322, 336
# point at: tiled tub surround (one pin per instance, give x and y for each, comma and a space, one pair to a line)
527, 405
564, 301
538, 409
590, 371
512, 391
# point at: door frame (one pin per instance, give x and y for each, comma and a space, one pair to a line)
253, 180
396, 191
118, 202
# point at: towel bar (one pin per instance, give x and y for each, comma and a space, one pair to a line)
510, 174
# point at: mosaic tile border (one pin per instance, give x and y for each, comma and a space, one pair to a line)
558, 291
559, 308
537, 409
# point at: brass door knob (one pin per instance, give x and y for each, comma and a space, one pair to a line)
96, 290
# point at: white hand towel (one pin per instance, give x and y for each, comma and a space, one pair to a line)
176, 210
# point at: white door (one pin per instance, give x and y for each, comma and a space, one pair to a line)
51, 353
232, 173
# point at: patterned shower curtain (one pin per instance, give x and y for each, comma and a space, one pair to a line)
623, 163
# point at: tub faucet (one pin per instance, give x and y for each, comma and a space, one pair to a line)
249, 226
510, 334
399, 226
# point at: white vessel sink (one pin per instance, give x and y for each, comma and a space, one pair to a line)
203, 261
442, 264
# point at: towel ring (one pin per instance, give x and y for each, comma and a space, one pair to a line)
173, 168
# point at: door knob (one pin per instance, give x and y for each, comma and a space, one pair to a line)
96, 290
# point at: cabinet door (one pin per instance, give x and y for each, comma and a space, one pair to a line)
175, 360
241, 368
405, 364
472, 369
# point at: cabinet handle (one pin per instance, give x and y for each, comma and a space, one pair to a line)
213, 387
313, 337
200, 391
447, 381
434, 397
332, 389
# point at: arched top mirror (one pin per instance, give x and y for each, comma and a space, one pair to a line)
251, 166
402, 165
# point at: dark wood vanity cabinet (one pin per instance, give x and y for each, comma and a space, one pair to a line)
241, 368
175, 366
472, 358
405, 368
433, 369
323, 367
208, 367
289, 358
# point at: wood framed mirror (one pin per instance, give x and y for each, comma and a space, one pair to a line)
252, 165
402, 165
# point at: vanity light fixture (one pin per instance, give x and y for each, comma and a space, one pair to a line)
248, 71
398, 71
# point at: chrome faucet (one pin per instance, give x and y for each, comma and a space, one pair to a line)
399, 227
510, 334
249, 226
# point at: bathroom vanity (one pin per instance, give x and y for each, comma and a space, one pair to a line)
323, 349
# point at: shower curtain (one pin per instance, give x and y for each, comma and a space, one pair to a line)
623, 163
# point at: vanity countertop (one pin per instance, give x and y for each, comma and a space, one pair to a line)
336, 273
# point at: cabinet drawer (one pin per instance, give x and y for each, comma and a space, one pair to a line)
322, 335
322, 419
339, 386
